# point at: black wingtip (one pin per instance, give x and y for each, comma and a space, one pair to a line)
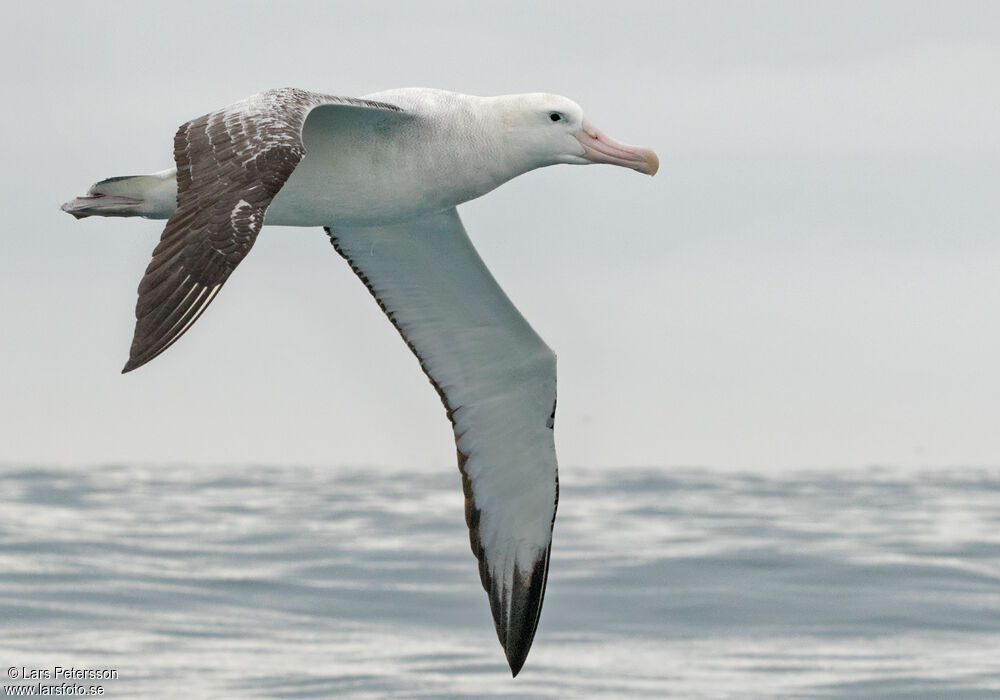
516, 659
137, 362
518, 633
516, 649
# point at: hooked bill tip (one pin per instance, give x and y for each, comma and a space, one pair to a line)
652, 162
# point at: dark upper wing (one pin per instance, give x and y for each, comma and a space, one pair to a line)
498, 383
230, 165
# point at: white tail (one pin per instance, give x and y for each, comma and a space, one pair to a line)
152, 196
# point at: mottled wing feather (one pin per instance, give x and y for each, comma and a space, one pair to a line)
497, 381
230, 165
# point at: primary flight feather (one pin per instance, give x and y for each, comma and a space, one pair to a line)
383, 175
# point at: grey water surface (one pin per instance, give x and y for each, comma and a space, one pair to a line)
244, 582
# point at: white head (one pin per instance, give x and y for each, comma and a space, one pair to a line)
549, 129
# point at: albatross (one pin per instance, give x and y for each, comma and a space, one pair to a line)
383, 175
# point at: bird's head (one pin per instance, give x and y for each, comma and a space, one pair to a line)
550, 129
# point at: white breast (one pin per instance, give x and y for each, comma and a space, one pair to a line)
359, 170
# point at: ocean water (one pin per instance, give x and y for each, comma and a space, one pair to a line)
246, 582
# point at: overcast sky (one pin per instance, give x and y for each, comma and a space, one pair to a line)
813, 278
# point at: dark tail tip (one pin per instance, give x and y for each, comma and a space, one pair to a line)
103, 205
76, 209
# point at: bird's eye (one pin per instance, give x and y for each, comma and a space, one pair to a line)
555, 116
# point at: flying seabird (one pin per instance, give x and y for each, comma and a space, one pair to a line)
383, 175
